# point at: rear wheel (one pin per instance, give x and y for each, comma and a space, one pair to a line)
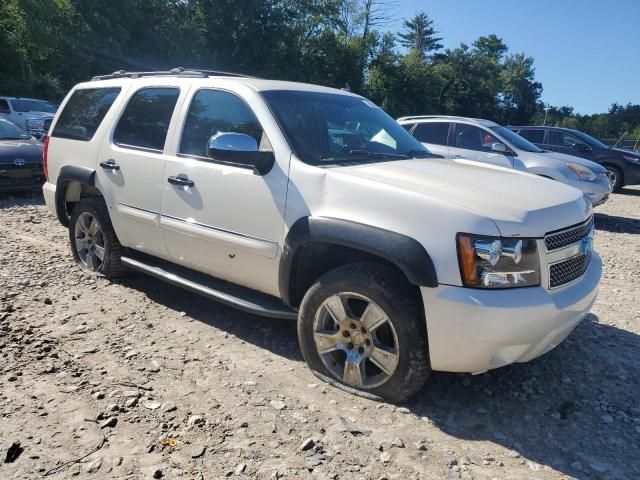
94, 244
616, 180
361, 328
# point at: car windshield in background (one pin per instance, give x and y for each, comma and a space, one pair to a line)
329, 129
516, 140
23, 105
9, 131
588, 139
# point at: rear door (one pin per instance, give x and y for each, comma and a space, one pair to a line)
534, 135
131, 166
475, 143
434, 136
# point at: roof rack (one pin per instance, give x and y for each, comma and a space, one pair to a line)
420, 117
177, 72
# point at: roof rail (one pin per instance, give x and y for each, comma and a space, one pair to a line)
177, 72
420, 117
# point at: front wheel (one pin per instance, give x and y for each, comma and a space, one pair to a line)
615, 177
361, 327
94, 244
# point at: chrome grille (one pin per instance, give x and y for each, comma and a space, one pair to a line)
568, 270
569, 236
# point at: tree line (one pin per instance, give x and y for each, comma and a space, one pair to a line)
46, 46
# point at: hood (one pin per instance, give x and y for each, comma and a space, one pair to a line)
593, 166
628, 153
28, 150
520, 204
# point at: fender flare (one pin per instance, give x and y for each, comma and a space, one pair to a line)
68, 174
404, 252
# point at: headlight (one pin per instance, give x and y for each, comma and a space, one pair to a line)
583, 173
492, 262
631, 158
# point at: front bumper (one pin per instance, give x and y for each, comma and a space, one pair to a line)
21, 178
596, 192
477, 330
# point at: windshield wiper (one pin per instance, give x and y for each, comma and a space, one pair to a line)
13, 138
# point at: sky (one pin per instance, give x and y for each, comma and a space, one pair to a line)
587, 52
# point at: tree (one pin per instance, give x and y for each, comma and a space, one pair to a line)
519, 90
491, 46
419, 35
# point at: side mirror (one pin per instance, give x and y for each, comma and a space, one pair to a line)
500, 148
580, 147
240, 149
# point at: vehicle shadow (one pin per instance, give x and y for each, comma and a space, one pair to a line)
615, 224
21, 199
276, 335
629, 191
548, 411
555, 410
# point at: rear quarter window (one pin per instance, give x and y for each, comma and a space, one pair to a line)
84, 112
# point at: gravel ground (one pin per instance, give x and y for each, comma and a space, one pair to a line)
138, 380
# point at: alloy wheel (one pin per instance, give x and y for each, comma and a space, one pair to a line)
89, 241
356, 340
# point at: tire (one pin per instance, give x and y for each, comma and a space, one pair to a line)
88, 239
617, 174
332, 346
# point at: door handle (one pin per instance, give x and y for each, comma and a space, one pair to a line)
110, 165
181, 181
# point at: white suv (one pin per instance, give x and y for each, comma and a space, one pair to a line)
486, 141
32, 114
303, 202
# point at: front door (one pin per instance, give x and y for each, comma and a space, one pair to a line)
131, 167
475, 143
222, 219
564, 142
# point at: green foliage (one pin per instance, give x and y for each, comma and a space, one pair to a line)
46, 46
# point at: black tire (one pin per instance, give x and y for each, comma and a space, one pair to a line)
619, 177
110, 266
401, 303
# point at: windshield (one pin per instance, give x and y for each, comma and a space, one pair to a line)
9, 131
588, 139
516, 140
33, 106
330, 129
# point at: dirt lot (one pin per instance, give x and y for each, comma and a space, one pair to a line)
160, 383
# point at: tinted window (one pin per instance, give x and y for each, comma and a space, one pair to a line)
408, 126
9, 131
23, 105
84, 112
4, 106
435, 133
562, 139
145, 121
534, 136
214, 111
330, 129
473, 138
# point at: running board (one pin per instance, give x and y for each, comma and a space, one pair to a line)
244, 299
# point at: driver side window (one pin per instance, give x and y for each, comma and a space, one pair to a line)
470, 137
561, 139
217, 111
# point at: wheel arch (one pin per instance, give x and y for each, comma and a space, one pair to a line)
315, 245
73, 183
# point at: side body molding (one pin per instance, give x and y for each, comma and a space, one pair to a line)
71, 173
404, 252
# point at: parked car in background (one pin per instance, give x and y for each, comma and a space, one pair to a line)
623, 165
486, 141
20, 159
298, 201
32, 114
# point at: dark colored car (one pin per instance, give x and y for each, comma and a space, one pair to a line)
20, 159
623, 165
